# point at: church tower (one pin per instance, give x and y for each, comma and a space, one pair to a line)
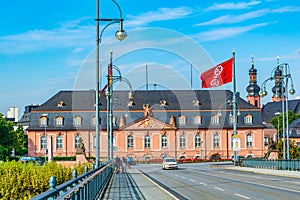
253, 89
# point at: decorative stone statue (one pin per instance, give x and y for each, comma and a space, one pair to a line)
80, 149
172, 120
147, 110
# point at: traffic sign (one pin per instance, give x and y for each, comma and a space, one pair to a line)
236, 144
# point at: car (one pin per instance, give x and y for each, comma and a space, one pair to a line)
215, 157
239, 158
169, 163
31, 160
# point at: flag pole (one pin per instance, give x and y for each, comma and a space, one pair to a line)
234, 105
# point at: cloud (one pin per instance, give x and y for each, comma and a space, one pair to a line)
230, 19
222, 33
69, 35
232, 6
161, 14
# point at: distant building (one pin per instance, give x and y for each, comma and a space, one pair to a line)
12, 114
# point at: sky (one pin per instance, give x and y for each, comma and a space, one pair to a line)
49, 46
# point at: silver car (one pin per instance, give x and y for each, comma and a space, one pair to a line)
169, 163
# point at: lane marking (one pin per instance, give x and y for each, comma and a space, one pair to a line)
201, 183
158, 186
192, 180
219, 188
239, 195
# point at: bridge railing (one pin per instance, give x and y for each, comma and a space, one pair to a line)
278, 164
87, 186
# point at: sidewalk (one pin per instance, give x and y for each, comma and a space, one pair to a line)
134, 185
294, 174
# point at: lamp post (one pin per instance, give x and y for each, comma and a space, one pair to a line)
120, 35
109, 91
45, 131
281, 76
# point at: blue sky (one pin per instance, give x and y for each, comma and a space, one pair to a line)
48, 46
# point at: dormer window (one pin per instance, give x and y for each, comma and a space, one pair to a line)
130, 103
248, 119
61, 104
215, 119
44, 121
59, 121
163, 103
197, 120
77, 121
182, 120
196, 103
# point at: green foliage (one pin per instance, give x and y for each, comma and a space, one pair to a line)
64, 158
19, 181
11, 139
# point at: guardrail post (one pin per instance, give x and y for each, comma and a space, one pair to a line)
86, 169
52, 182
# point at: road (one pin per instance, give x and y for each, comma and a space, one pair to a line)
211, 181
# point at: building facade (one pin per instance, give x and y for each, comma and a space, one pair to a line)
180, 123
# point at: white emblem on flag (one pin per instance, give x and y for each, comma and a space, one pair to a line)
215, 82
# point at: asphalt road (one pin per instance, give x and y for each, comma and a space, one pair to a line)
210, 181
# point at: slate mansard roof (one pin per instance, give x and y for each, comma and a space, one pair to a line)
164, 103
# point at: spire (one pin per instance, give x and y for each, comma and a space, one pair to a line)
253, 89
277, 90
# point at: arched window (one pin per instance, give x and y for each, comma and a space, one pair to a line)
77, 141
43, 142
248, 119
147, 141
249, 140
59, 142
266, 141
182, 140
164, 141
77, 121
197, 120
215, 119
216, 140
182, 120
59, 121
130, 141
197, 140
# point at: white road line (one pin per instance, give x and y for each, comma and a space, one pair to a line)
183, 177
239, 195
201, 183
192, 180
219, 188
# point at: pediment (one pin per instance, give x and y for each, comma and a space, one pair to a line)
148, 123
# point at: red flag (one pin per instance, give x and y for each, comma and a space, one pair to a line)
218, 75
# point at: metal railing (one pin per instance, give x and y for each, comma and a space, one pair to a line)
87, 186
278, 164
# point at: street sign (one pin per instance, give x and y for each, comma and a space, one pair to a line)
236, 144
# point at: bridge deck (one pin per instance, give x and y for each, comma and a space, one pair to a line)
134, 185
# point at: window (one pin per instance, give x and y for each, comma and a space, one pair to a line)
197, 120
43, 142
59, 121
231, 119
266, 141
164, 141
44, 121
248, 119
182, 141
77, 141
130, 141
215, 119
197, 140
95, 141
182, 120
216, 140
77, 121
249, 140
59, 142
147, 141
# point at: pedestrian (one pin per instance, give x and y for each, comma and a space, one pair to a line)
124, 165
117, 163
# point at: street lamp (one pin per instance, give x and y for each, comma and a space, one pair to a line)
281, 75
109, 91
120, 35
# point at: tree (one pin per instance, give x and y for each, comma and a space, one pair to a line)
294, 150
11, 139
